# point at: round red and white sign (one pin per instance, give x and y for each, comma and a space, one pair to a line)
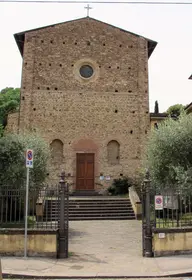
158, 200
29, 155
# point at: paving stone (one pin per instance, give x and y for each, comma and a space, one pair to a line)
98, 249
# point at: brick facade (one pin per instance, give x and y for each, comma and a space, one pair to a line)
80, 115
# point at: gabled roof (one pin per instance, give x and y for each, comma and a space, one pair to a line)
20, 37
158, 115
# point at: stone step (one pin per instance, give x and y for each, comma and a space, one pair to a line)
85, 193
91, 208
99, 215
101, 198
54, 215
99, 201
92, 199
102, 218
71, 218
53, 202
77, 206
97, 218
87, 210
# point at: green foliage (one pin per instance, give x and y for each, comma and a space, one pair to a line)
156, 109
169, 154
1, 130
9, 102
12, 160
175, 110
120, 186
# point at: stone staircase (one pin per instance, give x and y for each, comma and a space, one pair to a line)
92, 208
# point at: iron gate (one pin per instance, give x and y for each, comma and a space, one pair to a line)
166, 208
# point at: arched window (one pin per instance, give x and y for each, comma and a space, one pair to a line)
56, 147
113, 148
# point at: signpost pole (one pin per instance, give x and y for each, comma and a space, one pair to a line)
1, 277
148, 233
29, 164
26, 212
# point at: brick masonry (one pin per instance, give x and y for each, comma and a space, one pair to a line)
85, 114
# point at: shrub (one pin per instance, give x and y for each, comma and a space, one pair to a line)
120, 186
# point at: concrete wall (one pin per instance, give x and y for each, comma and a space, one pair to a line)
172, 241
41, 243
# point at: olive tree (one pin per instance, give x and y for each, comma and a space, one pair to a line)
175, 110
1, 130
169, 154
12, 160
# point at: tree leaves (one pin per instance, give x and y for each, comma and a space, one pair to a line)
169, 153
9, 102
12, 160
175, 110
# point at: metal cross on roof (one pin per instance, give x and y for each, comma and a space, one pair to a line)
88, 8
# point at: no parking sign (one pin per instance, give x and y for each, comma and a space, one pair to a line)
29, 158
158, 202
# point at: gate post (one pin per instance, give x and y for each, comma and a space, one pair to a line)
63, 218
143, 217
147, 230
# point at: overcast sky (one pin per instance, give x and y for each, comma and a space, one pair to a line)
171, 26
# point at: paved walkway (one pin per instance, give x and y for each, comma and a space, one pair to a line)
101, 248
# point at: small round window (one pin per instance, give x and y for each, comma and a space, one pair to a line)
86, 71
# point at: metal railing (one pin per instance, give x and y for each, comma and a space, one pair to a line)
43, 207
176, 210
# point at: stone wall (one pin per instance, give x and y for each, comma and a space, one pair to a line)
13, 123
111, 105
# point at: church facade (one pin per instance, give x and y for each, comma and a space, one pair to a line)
85, 90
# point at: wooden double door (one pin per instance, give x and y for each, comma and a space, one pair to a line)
85, 171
